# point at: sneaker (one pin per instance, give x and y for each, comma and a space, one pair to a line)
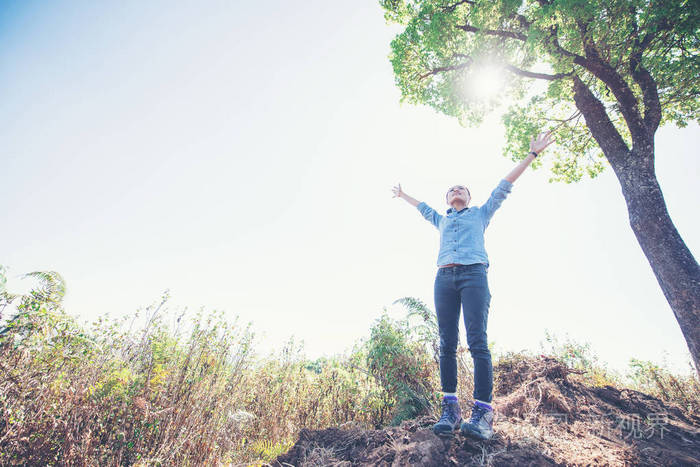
450, 419
480, 425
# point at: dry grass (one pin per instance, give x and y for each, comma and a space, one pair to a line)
159, 395
173, 391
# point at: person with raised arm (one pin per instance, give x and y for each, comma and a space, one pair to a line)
461, 281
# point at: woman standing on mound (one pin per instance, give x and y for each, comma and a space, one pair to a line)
462, 280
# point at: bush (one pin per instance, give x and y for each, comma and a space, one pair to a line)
402, 366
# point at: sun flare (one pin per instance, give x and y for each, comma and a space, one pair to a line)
484, 82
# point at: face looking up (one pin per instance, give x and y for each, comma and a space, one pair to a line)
458, 193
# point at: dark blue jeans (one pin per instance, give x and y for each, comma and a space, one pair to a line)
465, 286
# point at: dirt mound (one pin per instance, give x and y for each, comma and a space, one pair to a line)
543, 417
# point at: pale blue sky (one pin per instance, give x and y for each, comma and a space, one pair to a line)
242, 155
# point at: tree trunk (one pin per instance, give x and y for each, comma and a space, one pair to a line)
673, 264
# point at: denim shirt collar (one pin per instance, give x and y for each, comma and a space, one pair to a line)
451, 211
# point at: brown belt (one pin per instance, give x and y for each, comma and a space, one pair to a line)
451, 265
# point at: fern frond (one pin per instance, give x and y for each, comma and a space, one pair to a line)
52, 285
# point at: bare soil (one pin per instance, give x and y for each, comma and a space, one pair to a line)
544, 416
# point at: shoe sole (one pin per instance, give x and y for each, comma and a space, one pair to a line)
448, 434
473, 434
445, 434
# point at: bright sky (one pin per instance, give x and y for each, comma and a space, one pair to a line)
242, 155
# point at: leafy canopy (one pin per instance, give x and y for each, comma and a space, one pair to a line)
537, 48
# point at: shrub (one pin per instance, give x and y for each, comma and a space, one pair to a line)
580, 356
402, 366
653, 379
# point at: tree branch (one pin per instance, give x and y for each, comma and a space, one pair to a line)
652, 106
441, 69
532, 74
598, 121
469, 60
623, 94
556, 48
451, 8
493, 32
576, 115
524, 22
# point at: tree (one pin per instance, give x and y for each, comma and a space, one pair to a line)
610, 73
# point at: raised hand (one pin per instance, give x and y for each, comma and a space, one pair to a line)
541, 141
398, 193
537, 145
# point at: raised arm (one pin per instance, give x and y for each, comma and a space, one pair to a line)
429, 213
537, 145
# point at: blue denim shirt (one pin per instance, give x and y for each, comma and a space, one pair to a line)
462, 232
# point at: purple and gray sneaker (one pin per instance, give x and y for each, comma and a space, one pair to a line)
450, 419
480, 425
